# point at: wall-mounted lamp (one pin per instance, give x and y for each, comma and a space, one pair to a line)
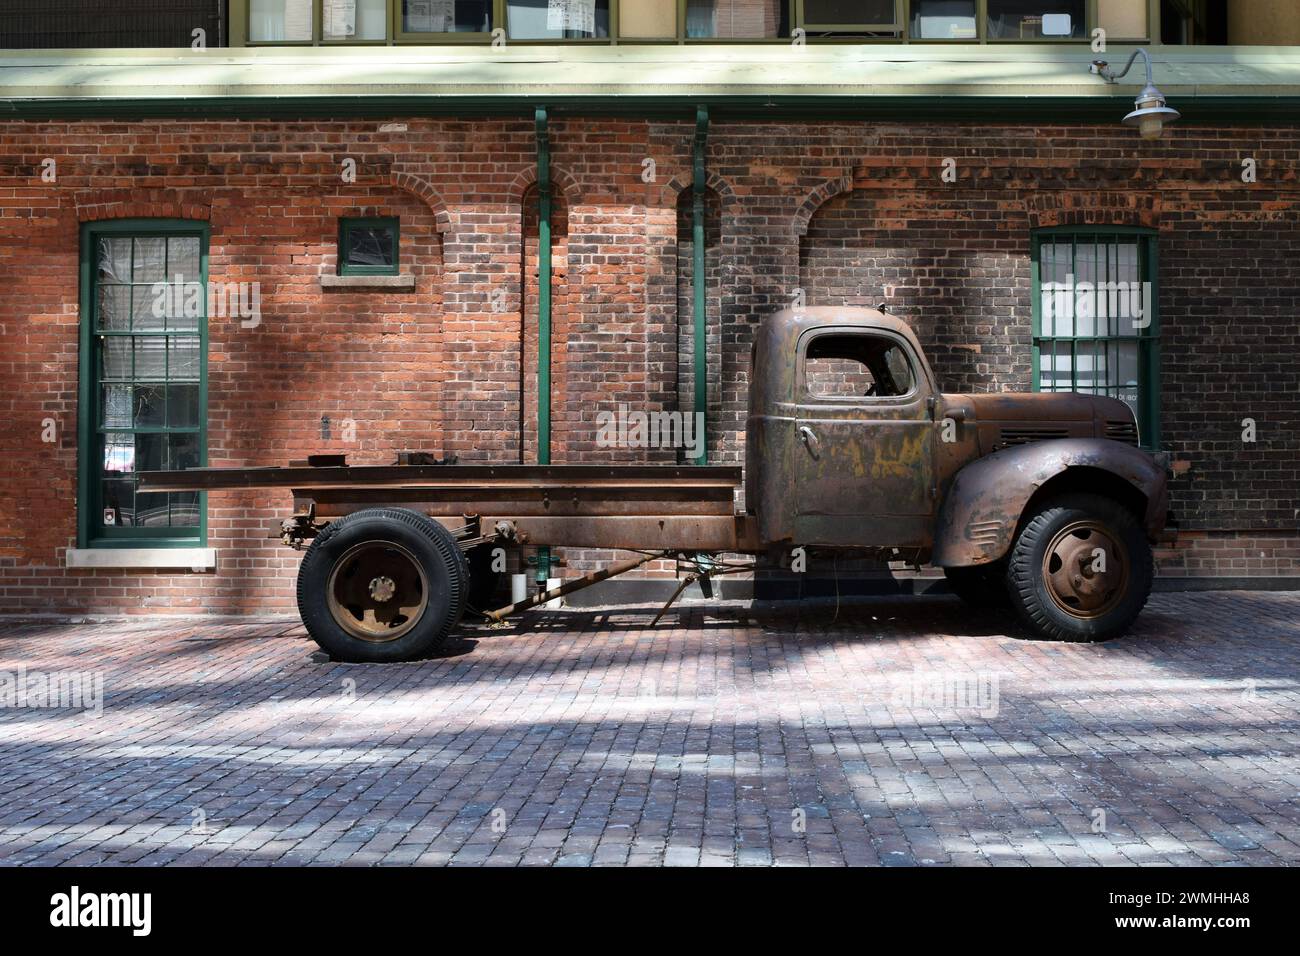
1150, 114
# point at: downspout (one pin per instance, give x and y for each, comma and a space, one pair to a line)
700, 281
543, 314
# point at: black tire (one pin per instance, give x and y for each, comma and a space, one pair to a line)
1053, 577
984, 585
483, 581
384, 584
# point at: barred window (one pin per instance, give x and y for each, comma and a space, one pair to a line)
1096, 317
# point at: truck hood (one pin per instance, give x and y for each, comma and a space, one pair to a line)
1014, 418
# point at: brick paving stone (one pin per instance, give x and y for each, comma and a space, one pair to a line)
888, 732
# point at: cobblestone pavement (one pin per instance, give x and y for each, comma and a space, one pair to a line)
895, 731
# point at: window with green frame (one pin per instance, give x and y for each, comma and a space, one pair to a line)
143, 381
368, 247
1096, 317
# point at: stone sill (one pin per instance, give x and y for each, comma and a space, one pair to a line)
176, 559
399, 283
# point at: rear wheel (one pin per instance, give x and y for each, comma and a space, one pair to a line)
383, 584
1080, 569
984, 585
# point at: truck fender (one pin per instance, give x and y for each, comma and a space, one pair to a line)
978, 519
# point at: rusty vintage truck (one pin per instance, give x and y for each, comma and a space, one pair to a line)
1042, 503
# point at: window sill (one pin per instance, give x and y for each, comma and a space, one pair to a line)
178, 559
398, 283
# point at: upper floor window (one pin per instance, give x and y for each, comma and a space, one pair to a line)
557, 19
848, 16
943, 20
281, 21
423, 17
354, 19
682, 21
1035, 19
736, 19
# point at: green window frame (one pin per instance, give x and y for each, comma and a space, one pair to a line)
1111, 352
136, 310
349, 239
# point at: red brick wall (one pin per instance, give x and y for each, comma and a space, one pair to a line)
840, 210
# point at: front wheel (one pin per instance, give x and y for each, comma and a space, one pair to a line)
384, 584
1080, 569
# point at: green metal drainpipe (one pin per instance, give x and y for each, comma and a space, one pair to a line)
543, 315
700, 280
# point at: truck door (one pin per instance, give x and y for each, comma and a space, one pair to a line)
865, 474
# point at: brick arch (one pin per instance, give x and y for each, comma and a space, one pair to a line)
423, 190
816, 199
1089, 208
560, 176
98, 205
671, 191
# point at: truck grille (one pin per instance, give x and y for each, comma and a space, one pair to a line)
1023, 436
1126, 432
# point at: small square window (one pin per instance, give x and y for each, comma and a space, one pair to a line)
368, 247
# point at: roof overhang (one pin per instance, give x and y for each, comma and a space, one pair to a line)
1048, 82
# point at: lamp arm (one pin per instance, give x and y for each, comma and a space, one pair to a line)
1102, 68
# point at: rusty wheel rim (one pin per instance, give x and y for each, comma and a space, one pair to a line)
1085, 569
377, 591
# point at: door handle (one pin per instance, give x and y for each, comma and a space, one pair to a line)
809, 439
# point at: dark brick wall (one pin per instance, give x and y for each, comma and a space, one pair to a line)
847, 212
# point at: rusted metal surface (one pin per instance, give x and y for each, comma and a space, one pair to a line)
830, 471
668, 532
463, 477
880, 470
1086, 570
980, 513
560, 501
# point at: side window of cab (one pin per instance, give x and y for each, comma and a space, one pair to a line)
857, 365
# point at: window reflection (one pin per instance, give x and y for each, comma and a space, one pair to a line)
735, 19
557, 19
943, 20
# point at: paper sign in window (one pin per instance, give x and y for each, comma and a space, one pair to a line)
576, 15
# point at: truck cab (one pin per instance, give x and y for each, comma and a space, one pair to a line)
850, 445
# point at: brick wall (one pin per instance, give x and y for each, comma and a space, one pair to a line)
849, 212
